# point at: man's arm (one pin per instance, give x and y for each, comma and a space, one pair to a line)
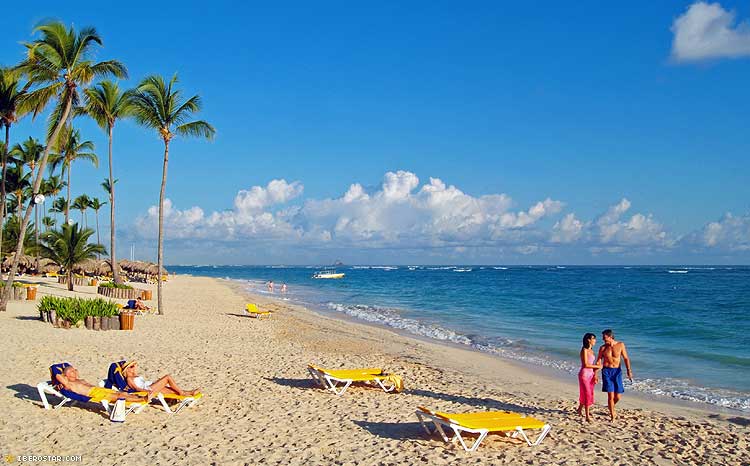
627, 362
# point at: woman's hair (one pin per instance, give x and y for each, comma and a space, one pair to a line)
586, 339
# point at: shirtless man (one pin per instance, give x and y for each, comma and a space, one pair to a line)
609, 356
70, 381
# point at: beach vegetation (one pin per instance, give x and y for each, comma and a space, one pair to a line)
58, 65
68, 247
82, 203
160, 106
119, 286
74, 310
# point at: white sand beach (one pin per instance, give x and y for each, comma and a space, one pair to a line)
260, 405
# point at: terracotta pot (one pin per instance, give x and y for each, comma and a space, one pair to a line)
89, 322
31, 293
126, 320
97, 323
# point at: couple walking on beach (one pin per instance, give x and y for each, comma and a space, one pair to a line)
608, 361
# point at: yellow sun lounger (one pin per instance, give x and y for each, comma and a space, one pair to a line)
482, 423
338, 380
253, 311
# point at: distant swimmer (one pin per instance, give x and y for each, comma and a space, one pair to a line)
609, 356
283, 288
270, 286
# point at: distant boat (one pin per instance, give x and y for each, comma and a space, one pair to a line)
462, 270
328, 273
677, 271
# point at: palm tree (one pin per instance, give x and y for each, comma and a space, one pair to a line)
59, 206
48, 223
96, 204
11, 94
157, 105
105, 104
59, 63
27, 153
18, 183
82, 203
71, 149
69, 247
51, 187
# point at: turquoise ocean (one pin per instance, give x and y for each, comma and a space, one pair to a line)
687, 329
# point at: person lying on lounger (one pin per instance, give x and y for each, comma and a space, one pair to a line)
165, 384
70, 380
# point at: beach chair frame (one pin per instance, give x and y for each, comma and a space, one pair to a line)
339, 385
184, 402
45, 388
440, 422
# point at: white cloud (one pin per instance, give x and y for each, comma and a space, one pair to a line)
432, 220
707, 31
730, 234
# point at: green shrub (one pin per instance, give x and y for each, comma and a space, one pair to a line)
15, 284
115, 285
74, 310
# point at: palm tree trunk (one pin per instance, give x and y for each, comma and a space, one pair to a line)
98, 241
37, 182
67, 202
69, 273
112, 255
160, 244
3, 195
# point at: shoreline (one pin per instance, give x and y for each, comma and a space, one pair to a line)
671, 405
260, 405
557, 374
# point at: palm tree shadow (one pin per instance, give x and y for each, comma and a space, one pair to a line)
485, 404
393, 430
305, 384
237, 315
28, 318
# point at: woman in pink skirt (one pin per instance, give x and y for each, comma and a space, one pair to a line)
587, 375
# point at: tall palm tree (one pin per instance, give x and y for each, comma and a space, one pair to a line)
51, 187
18, 183
59, 63
71, 148
28, 153
69, 247
105, 104
59, 206
96, 204
159, 106
11, 94
48, 223
82, 203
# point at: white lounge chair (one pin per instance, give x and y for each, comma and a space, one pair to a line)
481, 423
338, 381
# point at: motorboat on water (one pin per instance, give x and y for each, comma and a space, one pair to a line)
328, 273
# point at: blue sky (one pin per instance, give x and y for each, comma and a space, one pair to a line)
582, 104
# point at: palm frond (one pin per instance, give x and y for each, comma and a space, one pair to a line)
196, 129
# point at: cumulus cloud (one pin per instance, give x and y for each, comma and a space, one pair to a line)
398, 214
433, 217
728, 234
708, 31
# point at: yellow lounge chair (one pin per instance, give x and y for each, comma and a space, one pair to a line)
482, 423
339, 380
253, 311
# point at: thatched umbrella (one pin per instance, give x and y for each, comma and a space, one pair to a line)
88, 267
48, 265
